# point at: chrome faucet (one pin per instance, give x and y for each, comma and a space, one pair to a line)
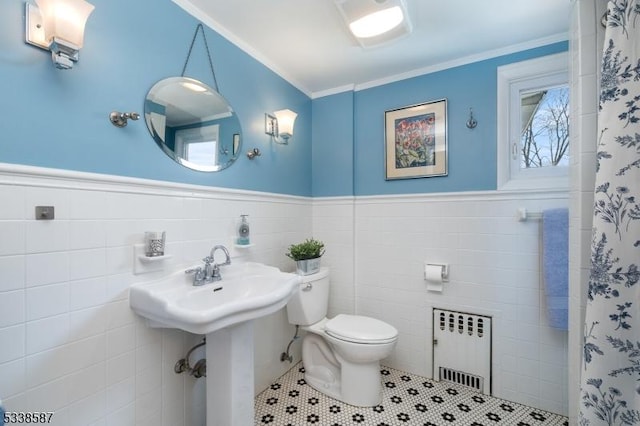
211, 270
215, 270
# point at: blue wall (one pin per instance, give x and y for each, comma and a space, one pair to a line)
332, 149
59, 119
472, 153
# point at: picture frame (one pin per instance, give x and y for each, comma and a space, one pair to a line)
416, 141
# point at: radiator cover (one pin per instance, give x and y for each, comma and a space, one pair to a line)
462, 349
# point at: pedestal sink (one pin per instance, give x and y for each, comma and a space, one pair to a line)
223, 311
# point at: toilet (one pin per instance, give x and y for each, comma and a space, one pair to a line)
341, 356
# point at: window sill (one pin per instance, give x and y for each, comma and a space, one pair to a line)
533, 184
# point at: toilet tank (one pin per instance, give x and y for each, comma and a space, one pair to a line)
310, 302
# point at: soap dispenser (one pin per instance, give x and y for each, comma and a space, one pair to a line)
243, 231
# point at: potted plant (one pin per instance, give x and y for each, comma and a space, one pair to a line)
307, 256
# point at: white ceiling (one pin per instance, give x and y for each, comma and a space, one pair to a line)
308, 44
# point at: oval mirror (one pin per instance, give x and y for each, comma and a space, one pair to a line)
193, 124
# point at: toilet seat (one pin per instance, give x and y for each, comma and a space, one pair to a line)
360, 329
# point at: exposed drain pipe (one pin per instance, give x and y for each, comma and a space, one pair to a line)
200, 367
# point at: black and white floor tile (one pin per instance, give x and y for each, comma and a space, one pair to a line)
407, 400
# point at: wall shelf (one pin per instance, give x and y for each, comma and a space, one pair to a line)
154, 259
143, 264
243, 246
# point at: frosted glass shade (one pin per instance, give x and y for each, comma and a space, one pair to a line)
285, 118
377, 23
65, 19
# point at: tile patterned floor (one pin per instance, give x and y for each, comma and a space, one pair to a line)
407, 400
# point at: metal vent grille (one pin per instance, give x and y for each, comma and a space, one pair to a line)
448, 321
462, 378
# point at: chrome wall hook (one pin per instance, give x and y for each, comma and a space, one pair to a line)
253, 153
471, 122
119, 119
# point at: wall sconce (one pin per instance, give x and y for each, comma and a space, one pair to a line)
58, 26
280, 125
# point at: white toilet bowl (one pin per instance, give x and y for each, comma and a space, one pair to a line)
341, 356
346, 370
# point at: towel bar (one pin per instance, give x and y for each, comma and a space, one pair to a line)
523, 215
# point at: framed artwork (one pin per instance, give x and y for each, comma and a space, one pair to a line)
416, 141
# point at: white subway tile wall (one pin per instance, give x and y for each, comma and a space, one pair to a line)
333, 223
71, 344
73, 335
494, 270
586, 40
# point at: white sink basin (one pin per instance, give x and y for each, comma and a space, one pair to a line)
246, 291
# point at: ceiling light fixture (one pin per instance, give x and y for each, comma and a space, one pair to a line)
375, 22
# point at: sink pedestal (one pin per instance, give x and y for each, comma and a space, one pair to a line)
225, 314
230, 381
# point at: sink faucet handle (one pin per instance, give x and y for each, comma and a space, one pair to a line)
209, 268
198, 277
215, 272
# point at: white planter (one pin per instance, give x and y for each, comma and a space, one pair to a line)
308, 266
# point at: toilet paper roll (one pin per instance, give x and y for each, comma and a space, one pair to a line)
433, 276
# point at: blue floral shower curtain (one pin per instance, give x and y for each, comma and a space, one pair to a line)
610, 382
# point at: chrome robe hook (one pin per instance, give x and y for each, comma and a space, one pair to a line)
119, 119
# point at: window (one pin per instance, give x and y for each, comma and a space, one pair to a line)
533, 124
198, 145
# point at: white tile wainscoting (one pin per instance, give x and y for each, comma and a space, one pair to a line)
71, 344
78, 350
494, 270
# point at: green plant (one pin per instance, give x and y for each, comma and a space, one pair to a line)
309, 249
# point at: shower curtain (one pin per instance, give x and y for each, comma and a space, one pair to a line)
610, 373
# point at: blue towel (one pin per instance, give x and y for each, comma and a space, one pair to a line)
555, 265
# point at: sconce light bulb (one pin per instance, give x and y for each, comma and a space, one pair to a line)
65, 19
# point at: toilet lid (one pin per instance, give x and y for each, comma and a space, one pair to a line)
359, 329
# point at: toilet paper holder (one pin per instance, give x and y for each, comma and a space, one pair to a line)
444, 270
